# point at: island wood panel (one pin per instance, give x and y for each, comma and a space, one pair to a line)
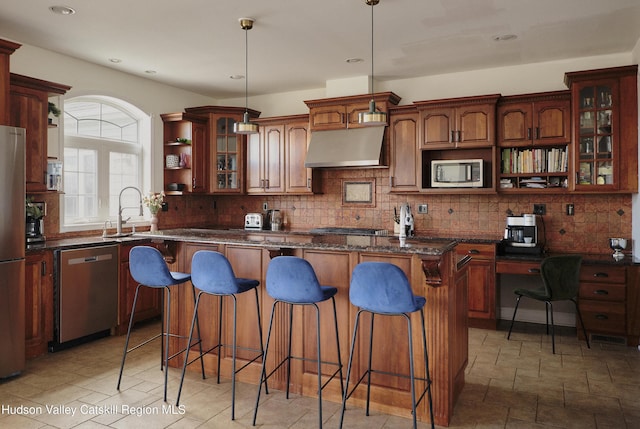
446, 320
447, 335
332, 269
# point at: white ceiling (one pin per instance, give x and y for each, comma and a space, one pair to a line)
300, 44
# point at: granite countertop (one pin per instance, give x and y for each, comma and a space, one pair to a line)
267, 239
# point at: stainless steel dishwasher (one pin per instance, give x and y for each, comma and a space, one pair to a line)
86, 294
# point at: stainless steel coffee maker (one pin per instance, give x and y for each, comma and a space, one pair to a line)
524, 234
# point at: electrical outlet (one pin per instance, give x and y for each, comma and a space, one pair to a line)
423, 208
265, 206
540, 209
165, 207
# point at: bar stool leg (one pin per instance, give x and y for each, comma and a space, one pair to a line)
289, 347
166, 348
335, 320
584, 330
411, 372
427, 376
553, 333
263, 373
369, 364
266, 388
219, 346
186, 356
193, 293
126, 342
346, 394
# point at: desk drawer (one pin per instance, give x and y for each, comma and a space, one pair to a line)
518, 267
477, 251
602, 273
605, 317
602, 292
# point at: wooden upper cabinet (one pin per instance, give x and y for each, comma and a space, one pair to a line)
299, 179
404, 163
342, 112
225, 148
29, 110
6, 49
535, 119
458, 122
604, 106
265, 160
275, 157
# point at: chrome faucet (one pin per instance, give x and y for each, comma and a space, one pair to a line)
120, 208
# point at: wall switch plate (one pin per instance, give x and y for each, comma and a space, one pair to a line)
423, 208
540, 209
165, 207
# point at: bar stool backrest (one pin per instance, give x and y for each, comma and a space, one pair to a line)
211, 272
148, 267
292, 279
382, 287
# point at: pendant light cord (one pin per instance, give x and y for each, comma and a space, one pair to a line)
246, 70
372, 79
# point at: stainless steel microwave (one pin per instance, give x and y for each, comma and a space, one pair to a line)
458, 173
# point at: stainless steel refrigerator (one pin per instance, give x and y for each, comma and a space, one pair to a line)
12, 248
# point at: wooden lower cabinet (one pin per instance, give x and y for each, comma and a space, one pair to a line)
602, 300
482, 283
38, 303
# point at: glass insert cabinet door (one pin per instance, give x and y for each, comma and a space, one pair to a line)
227, 155
596, 149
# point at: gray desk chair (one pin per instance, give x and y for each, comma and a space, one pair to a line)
561, 282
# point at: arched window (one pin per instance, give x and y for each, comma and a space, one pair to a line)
106, 148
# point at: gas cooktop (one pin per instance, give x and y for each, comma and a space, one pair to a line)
348, 231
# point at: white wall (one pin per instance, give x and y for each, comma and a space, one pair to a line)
86, 78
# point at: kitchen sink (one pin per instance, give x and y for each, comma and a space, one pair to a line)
118, 235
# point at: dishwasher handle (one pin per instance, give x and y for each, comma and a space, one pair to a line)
90, 259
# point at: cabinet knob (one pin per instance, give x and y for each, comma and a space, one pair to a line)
601, 316
534, 270
474, 251
308, 182
601, 275
601, 292
537, 133
528, 133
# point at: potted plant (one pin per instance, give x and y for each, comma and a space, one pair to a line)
34, 218
33, 210
53, 110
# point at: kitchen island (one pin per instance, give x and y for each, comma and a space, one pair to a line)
433, 268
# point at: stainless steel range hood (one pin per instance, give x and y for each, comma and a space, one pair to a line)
351, 147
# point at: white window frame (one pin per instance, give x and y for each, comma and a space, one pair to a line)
104, 147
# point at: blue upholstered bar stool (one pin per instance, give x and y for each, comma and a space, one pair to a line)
212, 274
383, 288
149, 269
292, 281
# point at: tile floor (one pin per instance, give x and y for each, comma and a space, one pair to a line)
510, 384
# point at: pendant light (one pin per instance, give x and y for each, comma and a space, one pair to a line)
246, 127
372, 117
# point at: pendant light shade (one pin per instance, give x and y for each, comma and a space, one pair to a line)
372, 117
246, 127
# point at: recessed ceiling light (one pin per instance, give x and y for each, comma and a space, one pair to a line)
354, 60
504, 37
236, 76
62, 10
115, 60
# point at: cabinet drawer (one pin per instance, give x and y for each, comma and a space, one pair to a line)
477, 251
512, 267
602, 292
602, 273
603, 317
